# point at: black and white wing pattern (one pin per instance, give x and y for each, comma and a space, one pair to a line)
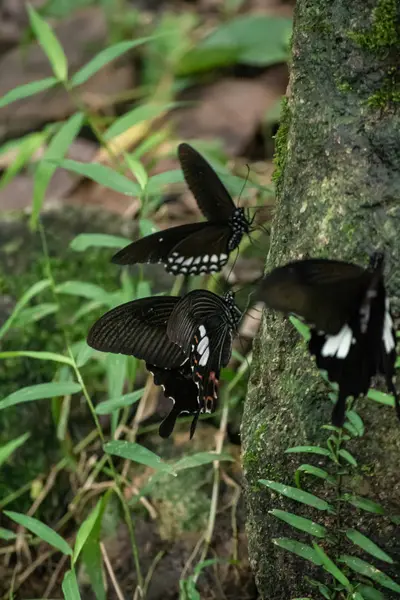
178, 385
139, 328
202, 324
199, 247
352, 335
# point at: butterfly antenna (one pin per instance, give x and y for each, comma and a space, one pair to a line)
244, 184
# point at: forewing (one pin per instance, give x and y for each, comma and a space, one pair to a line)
139, 328
179, 386
324, 293
203, 251
210, 193
155, 247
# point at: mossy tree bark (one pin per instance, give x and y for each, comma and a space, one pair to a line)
338, 196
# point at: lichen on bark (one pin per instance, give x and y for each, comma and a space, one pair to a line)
338, 196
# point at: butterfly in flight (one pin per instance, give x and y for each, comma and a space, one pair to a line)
346, 306
197, 247
168, 333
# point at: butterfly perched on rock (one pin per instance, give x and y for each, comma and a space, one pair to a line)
184, 342
197, 247
347, 308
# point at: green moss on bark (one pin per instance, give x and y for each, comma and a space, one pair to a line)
281, 138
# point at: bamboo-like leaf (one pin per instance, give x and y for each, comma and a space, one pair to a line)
101, 175
348, 457
137, 169
33, 291
104, 57
316, 472
50, 44
28, 146
296, 494
139, 454
199, 459
41, 530
364, 503
52, 356
356, 421
145, 112
27, 90
40, 392
7, 534
109, 406
309, 449
70, 586
83, 241
299, 522
7, 449
368, 570
90, 291
56, 150
298, 548
85, 530
370, 593
35, 313
301, 327
330, 566
368, 545
381, 397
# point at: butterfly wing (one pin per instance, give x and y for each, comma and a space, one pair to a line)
322, 292
155, 247
139, 328
210, 193
178, 385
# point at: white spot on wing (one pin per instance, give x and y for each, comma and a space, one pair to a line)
197, 260
203, 345
188, 261
223, 256
338, 345
214, 258
387, 337
179, 260
203, 360
202, 330
205, 258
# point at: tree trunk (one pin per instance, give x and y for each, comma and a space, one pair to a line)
338, 196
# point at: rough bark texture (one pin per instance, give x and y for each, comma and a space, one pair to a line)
338, 184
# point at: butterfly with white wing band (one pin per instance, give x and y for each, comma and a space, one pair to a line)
352, 334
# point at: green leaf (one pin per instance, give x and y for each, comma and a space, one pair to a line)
104, 57
35, 313
44, 532
370, 593
10, 447
330, 566
137, 453
109, 406
36, 288
309, 449
50, 44
296, 494
356, 421
368, 545
316, 472
298, 548
40, 392
139, 114
381, 397
364, 568
364, 504
28, 146
27, 90
38, 355
199, 459
146, 227
7, 534
301, 327
299, 522
83, 241
70, 586
83, 353
102, 175
156, 183
261, 39
85, 530
198, 60
137, 169
90, 291
347, 456
57, 148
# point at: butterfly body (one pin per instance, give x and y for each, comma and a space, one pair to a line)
352, 335
197, 247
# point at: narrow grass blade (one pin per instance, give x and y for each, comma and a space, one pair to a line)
33, 291
41, 530
39, 392
27, 90
299, 522
296, 494
139, 454
298, 548
368, 545
10, 447
70, 586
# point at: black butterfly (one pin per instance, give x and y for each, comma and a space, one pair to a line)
197, 247
352, 334
143, 328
